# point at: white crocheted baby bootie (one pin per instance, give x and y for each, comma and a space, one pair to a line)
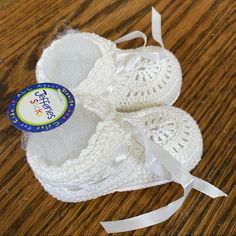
73, 167
108, 78
151, 75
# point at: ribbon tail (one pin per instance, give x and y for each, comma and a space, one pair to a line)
207, 188
156, 27
163, 213
147, 219
156, 153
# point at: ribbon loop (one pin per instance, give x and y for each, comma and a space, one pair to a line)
132, 35
156, 31
136, 55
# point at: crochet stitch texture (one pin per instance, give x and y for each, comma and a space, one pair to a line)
107, 94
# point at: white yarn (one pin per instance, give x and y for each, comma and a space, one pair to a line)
94, 171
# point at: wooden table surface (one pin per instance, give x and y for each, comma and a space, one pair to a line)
202, 36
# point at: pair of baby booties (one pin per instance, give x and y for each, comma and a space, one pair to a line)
94, 153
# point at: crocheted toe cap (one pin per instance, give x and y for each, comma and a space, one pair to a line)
175, 130
150, 83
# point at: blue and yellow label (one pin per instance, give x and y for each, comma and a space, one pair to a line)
41, 107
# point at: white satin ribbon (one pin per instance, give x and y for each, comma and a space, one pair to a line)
132, 35
157, 159
156, 27
163, 164
136, 55
156, 31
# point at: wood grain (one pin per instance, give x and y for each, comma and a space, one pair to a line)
202, 35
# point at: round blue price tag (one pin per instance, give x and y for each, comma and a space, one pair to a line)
41, 107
